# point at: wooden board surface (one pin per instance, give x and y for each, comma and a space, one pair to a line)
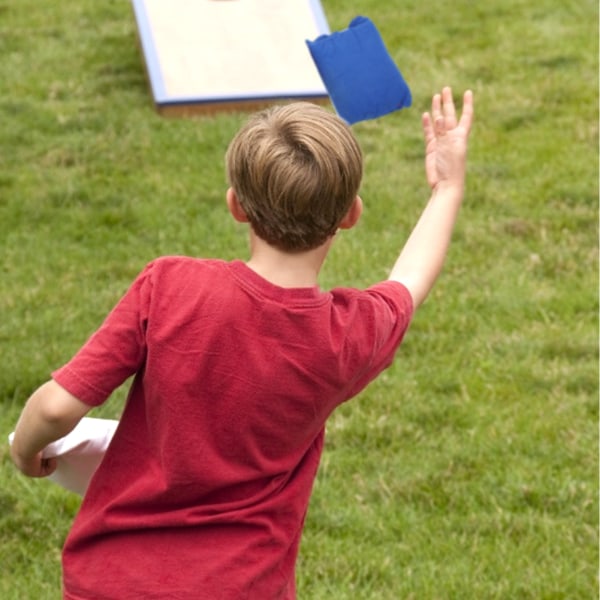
216, 54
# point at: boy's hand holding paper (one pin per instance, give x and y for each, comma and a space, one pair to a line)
79, 453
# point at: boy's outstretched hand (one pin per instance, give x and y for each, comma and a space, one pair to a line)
446, 139
422, 257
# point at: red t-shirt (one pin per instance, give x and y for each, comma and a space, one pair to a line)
204, 489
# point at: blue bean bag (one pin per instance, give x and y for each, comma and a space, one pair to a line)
360, 76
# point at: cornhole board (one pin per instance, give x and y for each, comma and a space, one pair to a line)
211, 55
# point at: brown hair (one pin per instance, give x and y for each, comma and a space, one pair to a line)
296, 170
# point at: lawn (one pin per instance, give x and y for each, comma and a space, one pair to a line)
469, 469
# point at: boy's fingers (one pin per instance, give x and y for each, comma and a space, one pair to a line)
427, 128
443, 114
448, 107
436, 107
440, 126
467, 111
48, 466
437, 115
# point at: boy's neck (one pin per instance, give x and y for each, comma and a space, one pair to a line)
285, 269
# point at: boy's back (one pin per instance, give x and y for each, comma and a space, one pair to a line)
206, 483
203, 492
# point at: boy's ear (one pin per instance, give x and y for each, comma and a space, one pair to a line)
353, 214
234, 206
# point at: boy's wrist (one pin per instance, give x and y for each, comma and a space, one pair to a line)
20, 461
445, 186
18, 456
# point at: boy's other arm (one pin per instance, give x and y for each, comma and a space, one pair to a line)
49, 414
422, 257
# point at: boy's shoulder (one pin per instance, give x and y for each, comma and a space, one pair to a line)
175, 260
181, 271
174, 264
384, 287
386, 294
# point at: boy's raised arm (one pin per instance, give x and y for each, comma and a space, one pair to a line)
422, 257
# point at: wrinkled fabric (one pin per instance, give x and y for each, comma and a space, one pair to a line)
204, 488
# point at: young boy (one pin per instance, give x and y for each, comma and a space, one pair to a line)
203, 491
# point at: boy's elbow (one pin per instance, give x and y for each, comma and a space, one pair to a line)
416, 290
52, 414
57, 407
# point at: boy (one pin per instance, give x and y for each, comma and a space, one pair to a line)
204, 488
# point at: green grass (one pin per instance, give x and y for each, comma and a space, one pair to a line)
470, 468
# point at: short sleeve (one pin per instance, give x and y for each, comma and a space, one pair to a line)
115, 351
387, 311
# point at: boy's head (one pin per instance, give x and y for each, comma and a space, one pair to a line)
295, 170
